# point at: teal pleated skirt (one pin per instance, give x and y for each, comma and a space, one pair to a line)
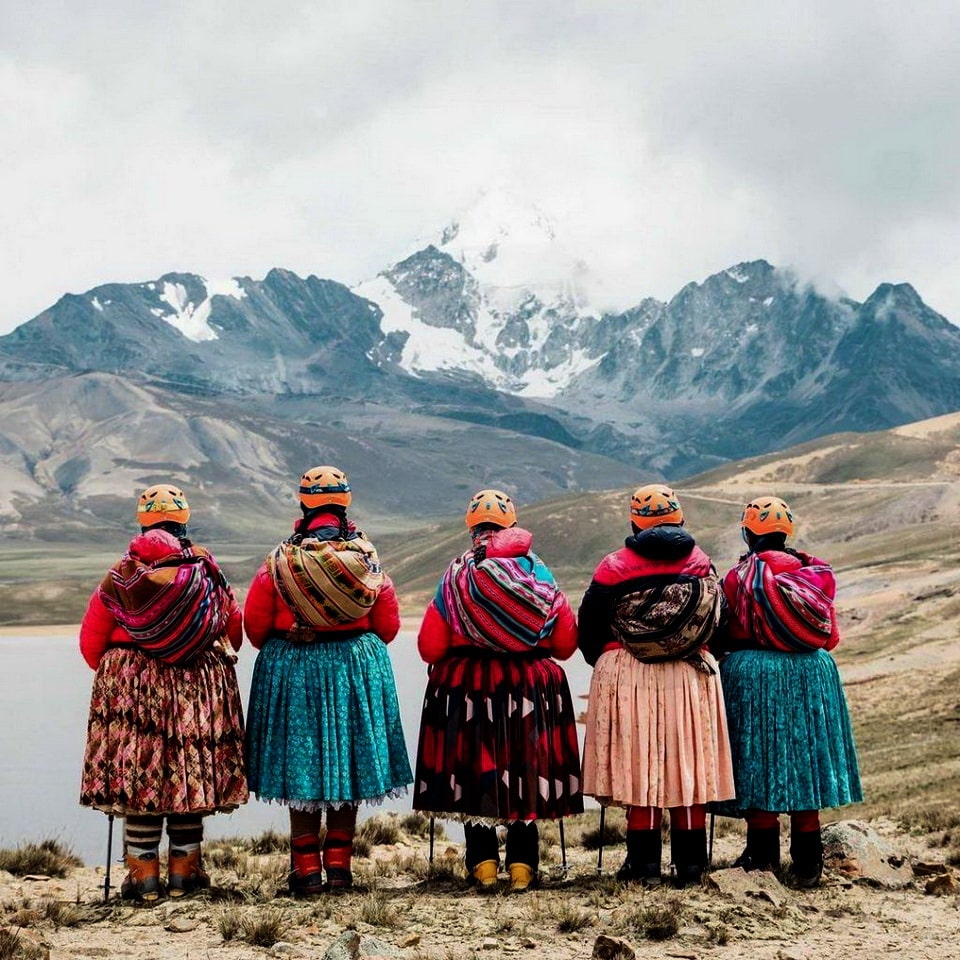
323, 727
790, 733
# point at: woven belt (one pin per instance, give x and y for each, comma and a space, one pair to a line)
303, 634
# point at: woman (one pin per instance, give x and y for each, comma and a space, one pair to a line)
165, 734
790, 732
656, 731
324, 729
498, 740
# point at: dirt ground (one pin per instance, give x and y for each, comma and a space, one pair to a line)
431, 915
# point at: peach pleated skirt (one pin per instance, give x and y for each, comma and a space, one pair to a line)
656, 734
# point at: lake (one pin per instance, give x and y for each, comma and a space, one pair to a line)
43, 723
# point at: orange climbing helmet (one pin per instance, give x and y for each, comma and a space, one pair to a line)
320, 486
491, 506
162, 503
764, 515
654, 504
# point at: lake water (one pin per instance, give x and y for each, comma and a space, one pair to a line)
43, 720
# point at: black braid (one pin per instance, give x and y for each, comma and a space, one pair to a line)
344, 526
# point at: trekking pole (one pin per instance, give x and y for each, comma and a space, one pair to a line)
563, 849
603, 812
713, 821
106, 879
431, 840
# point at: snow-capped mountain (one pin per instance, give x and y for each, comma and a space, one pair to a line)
477, 352
495, 293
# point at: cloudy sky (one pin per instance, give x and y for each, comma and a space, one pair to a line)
666, 139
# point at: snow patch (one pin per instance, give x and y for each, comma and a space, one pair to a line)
768, 301
228, 287
735, 273
697, 352
428, 348
97, 305
751, 328
190, 320
548, 383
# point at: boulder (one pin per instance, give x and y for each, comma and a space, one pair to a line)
351, 945
856, 850
736, 884
610, 948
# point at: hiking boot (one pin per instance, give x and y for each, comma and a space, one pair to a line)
644, 848
762, 851
185, 873
522, 876
142, 882
806, 852
306, 874
485, 873
688, 850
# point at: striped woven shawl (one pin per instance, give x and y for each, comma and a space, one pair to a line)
327, 583
501, 603
173, 609
789, 610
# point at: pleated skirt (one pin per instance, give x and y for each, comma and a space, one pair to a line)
498, 741
656, 734
324, 725
790, 732
164, 739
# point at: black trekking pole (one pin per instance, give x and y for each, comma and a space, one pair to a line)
563, 849
106, 879
431, 840
603, 813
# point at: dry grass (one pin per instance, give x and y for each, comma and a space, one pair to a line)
417, 824
264, 928
570, 918
13, 946
655, 921
377, 911
380, 830
49, 858
229, 923
270, 841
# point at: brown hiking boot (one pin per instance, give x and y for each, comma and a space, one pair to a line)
142, 882
185, 873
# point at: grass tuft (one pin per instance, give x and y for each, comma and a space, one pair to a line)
265, 927
229, 923
270, 842
571, 918
382, 829
49, 857
658, 921
376, 911
612, 833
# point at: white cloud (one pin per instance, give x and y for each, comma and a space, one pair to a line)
668, 141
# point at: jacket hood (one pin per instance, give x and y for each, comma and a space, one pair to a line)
668, 541
510, 542
154, 545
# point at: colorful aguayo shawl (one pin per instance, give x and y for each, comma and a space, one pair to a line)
669, 618
327, 583
791, 610
174, 608
502, 603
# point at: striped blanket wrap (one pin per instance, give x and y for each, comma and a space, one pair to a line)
669, 617
792, 610
327, 583
174, 609
508, 604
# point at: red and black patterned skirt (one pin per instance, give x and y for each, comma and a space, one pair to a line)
498, 741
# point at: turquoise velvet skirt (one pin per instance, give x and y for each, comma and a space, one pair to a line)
790, 733
323, 726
